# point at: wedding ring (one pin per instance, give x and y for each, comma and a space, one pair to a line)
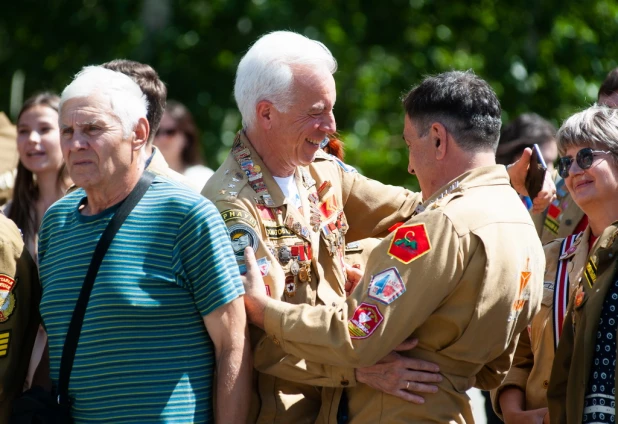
407, 385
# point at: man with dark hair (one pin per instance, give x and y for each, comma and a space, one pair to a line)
156, 93
447, 277
608, 92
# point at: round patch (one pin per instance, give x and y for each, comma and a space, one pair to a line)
7, 308
242, 236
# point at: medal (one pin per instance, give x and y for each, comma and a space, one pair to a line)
284, 255
304, 274
295, 268
290, 286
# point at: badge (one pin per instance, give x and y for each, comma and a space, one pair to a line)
386, 286
329, 206
304, 274
551, 219
267, 287
277, 232
242, 236
590, 272
324, 188
290, 286
284, 255
294, 268
7, 298
579, 297
4, 343
364, 322
268, 201
409, 242
264, 265
238, 215
266, 213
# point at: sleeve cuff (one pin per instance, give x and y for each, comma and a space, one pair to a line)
515, 378
345, 376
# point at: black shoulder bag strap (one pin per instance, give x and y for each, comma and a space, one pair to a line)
75, 326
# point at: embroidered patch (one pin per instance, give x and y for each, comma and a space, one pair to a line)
242, 236
365, 320
551, 220
278, 232
7, 298
409, 242
4, 343
238, 215
386, 286
591, 272
329, 206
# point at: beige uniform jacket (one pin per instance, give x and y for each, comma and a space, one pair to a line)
291, 245
573, 360
8, 158
560, 219
464, 276
20, 294
357, 252
535, 351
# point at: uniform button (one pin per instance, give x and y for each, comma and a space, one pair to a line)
568, 222
334, 304
276, 341
344, 383
545, 384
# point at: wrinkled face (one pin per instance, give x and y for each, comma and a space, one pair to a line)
309, 119
419, 154
591, 187
38, 140
169, 139
609, 101
95, 152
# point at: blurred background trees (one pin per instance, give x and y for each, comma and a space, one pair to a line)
544, 56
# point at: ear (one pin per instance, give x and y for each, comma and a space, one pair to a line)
264, 114
141, 131
439, 138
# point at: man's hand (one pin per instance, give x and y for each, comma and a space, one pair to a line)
255, 293
353, 277
399, 375
517, 173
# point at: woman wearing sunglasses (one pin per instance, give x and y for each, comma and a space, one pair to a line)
587, 142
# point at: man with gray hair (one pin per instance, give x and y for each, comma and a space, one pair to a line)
296, 207
165, 309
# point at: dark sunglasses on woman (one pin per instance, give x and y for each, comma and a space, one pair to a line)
584, 159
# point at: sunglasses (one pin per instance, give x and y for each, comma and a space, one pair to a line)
167, 132
584, 159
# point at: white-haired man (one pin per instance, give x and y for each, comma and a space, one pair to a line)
167, 290
296, 206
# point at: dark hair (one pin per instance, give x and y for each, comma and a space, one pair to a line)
524, 131
26, 191
610, 84
461, 101
191, 153
150, 84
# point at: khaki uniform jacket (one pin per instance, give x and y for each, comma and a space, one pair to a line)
8, 158
560, 219
464, 276
357, 252
573, 361
20, 294
535, 351
290, 244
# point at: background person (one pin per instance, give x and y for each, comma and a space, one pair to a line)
582, 383
608, 92
165, 307
179, 142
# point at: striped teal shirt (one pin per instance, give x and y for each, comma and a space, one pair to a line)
144, 354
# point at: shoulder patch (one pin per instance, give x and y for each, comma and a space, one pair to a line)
366, 319
386, 286
409, 243
238, 215
344, 166
242, 236
7, 298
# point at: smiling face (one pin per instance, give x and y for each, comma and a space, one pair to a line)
95, 152
590, 188
38, 140
299, 131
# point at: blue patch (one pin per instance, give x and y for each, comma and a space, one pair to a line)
386, 286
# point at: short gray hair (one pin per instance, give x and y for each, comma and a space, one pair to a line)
128, 103
596, 126
265, 72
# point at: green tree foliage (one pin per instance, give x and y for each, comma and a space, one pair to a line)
543, 56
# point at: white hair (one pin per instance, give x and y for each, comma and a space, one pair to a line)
595, 127
265, 72
127, 101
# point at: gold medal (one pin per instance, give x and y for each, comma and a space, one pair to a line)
303, 274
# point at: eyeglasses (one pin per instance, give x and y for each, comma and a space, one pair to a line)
584, 159
167, 132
